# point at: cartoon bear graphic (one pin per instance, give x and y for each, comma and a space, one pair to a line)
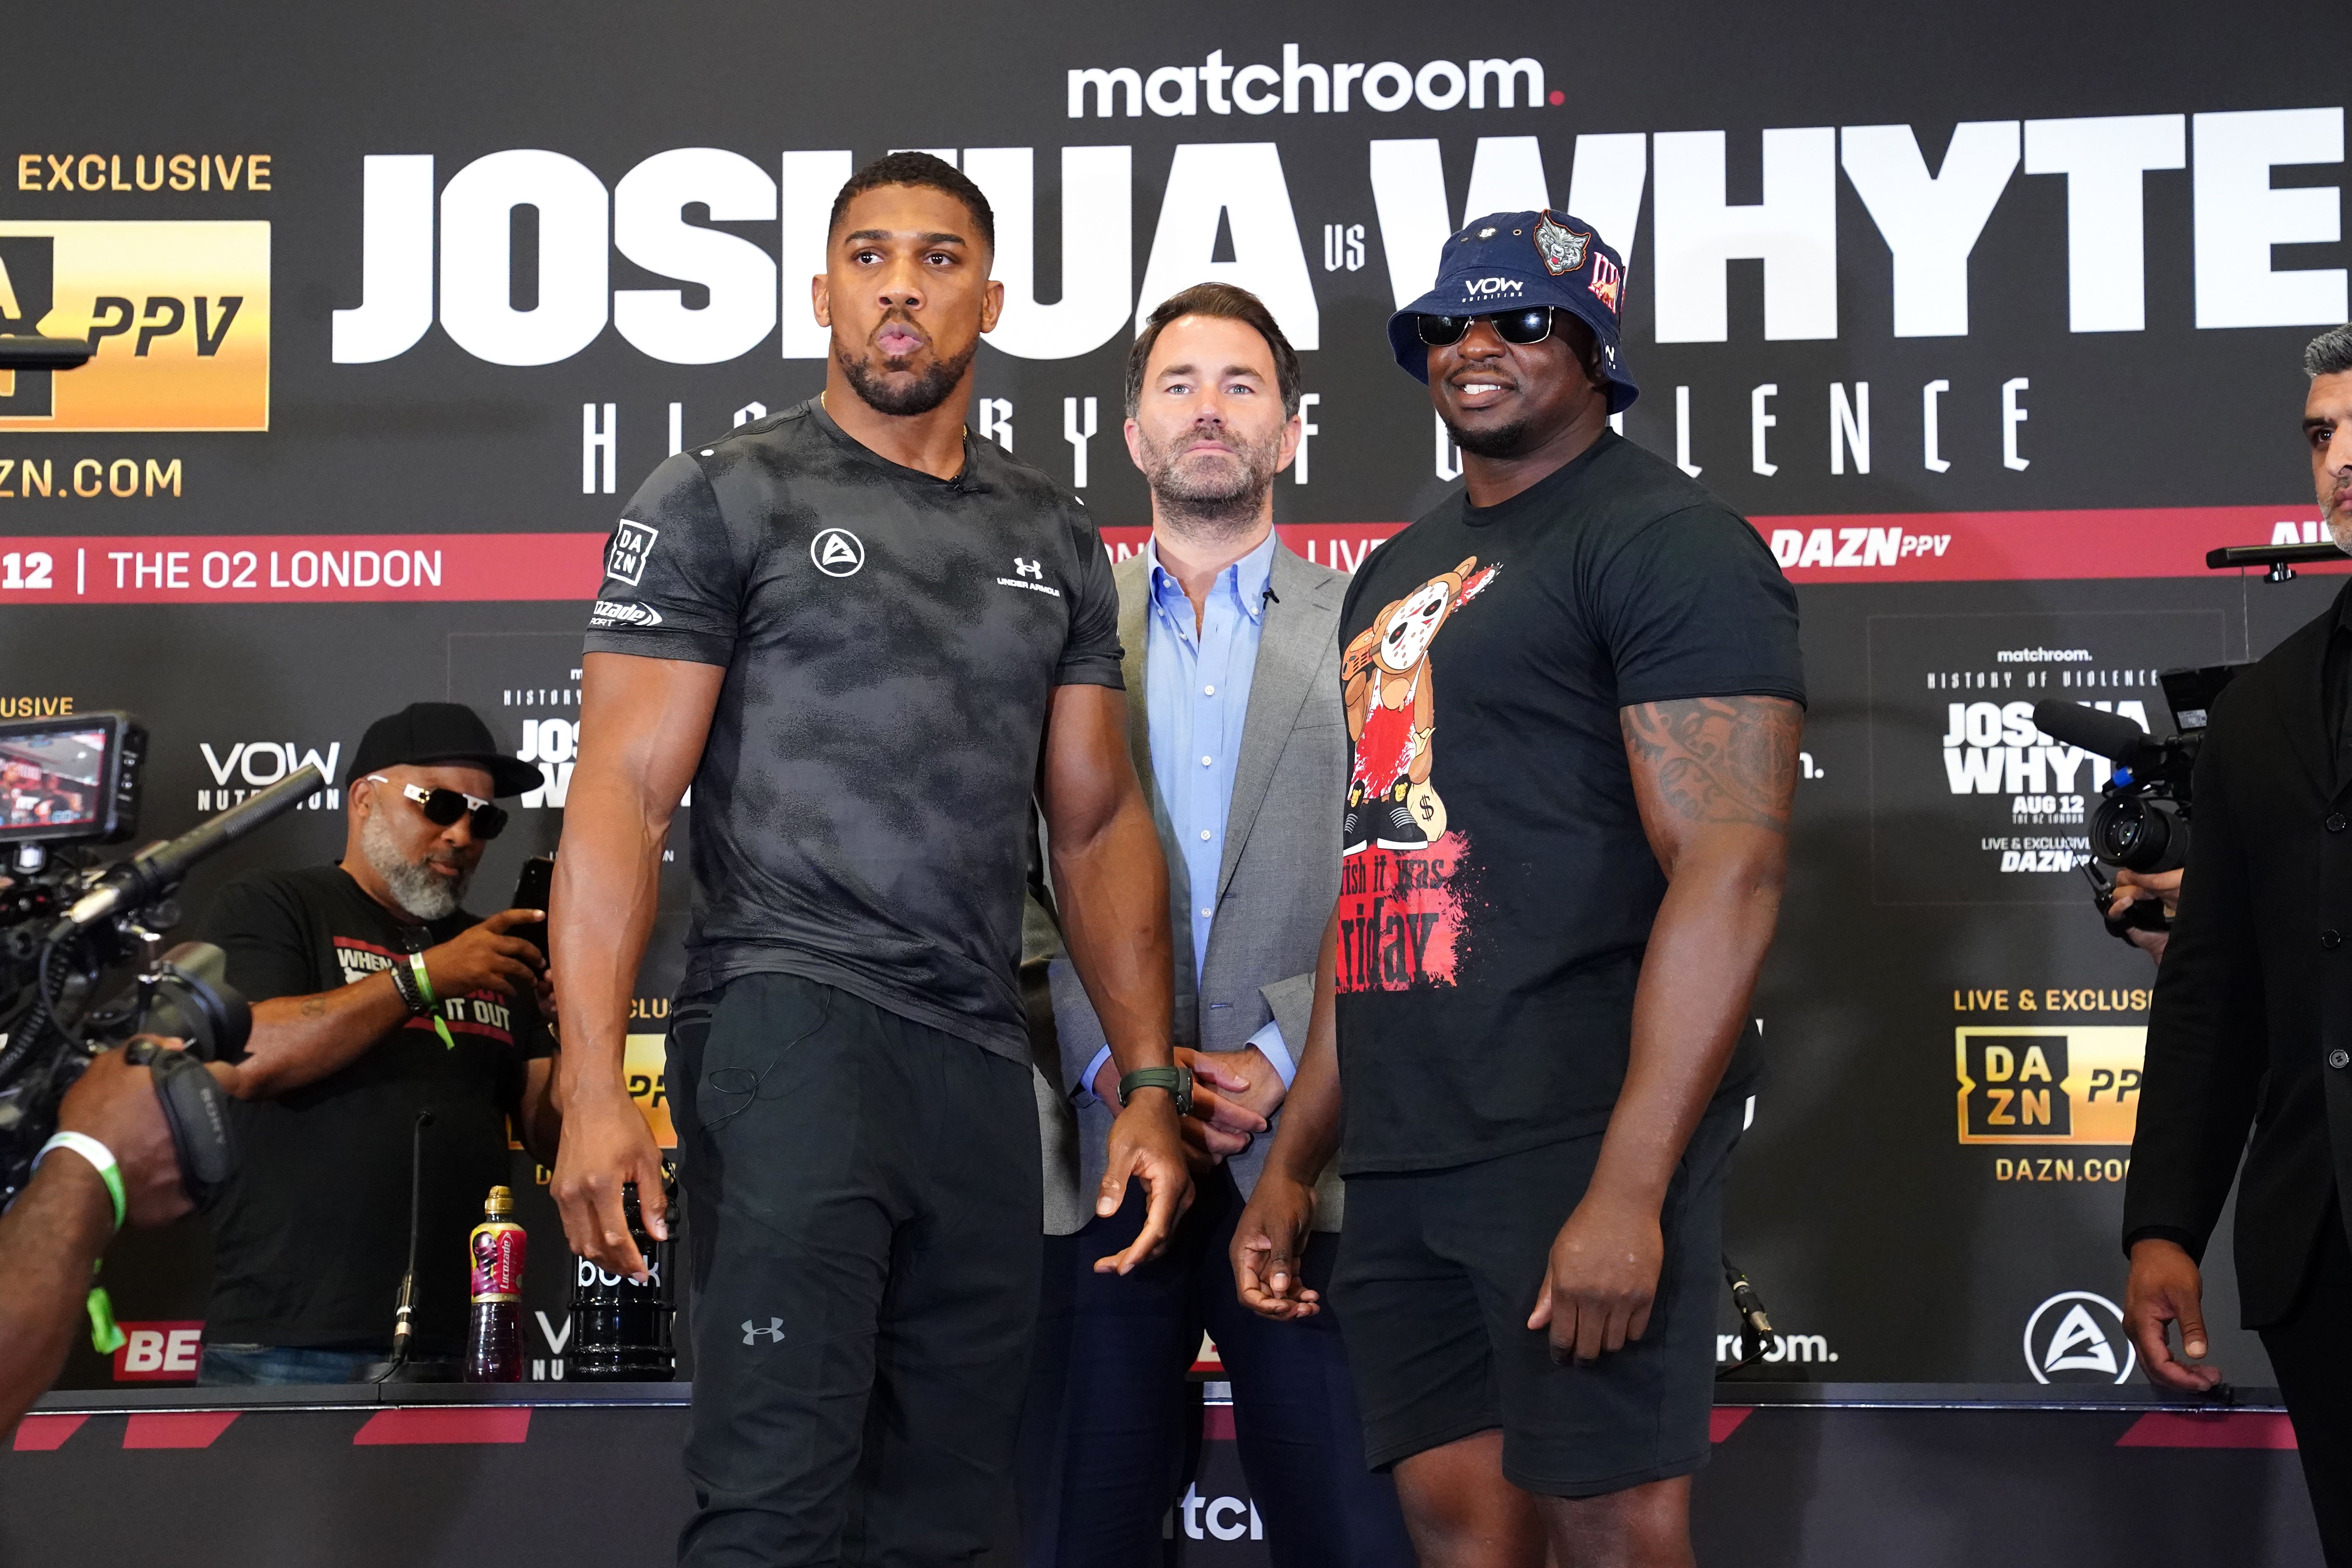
1392, 705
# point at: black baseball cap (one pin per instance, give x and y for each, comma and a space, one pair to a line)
1508, 261
424, 734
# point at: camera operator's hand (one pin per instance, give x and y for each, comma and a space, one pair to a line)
115, 1103
2131, 887
485, 958
2165, 1287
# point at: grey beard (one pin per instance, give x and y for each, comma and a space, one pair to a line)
1213, 510
929, 390
1506, 441
2341, 532
419, 893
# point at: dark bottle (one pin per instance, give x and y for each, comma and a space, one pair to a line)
620, 1328
494, 1328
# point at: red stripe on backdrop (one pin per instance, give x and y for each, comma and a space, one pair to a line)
290, 569
1725, 1419
2223, 1429
427, 1424
46, 1434
1930, 546
177, 1429
1891, 547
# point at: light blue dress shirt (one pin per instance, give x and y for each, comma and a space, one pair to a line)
1196, 696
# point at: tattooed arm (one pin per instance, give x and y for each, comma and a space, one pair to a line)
1713, 778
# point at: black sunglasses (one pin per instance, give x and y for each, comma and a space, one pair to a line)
443, 807
1532, 325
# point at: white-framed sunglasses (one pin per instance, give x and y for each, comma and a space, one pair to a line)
442, 808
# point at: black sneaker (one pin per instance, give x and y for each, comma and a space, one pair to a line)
1355, 830
1400, 831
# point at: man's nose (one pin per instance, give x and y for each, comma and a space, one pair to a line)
902, 287
1482, 340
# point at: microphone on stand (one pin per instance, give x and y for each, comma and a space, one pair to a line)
402, 1327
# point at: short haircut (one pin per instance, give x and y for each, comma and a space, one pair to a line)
2329, 353
925, 172
1224, 302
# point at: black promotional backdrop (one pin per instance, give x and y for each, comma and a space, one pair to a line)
1897, 1199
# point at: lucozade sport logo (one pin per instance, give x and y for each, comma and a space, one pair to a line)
178, 314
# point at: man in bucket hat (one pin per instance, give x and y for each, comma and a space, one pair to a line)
1575, 696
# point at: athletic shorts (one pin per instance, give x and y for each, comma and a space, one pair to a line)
1437, 1273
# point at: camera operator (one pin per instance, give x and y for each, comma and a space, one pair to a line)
52, 1236
376, 1000
2251, 1027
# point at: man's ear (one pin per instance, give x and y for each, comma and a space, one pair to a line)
821, 300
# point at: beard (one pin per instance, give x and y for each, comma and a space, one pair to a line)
1500, 441
423, 893
2339, 524
925, 392
1216, 499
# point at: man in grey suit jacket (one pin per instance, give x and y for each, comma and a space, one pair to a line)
1233, 680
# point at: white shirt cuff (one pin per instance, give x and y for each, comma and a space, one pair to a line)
1084, 1091
1268, 1040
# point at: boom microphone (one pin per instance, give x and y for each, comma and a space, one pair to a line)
24, 351
141, 880
2109, 735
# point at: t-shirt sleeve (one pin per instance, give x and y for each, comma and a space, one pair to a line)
1092, 655
265, 933
673, 580
1695, 606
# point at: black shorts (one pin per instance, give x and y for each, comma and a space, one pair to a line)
1437, 1273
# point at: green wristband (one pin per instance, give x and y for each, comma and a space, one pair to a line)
424, 988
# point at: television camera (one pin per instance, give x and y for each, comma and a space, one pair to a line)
69, 923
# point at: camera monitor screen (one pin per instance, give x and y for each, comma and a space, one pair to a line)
52, 781
67, 778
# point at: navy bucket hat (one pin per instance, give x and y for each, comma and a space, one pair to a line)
1519, 260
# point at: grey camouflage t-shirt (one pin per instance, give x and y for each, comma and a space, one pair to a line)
891, 643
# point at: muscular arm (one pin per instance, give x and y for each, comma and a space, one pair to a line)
301, 1039
1713, 778
642, 723
1111, 884
51, 1238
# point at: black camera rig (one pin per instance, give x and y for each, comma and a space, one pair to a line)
69, 923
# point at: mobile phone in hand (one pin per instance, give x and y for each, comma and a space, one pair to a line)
532, 892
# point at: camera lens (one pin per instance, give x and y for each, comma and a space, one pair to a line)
2140, 833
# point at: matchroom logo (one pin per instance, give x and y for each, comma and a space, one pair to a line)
178, 314
2050, 1085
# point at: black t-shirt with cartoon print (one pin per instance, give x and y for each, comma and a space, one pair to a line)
892, 641
1497, 892
309, 1241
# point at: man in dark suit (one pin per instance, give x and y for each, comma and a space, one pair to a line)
1233, 684
2253, 1020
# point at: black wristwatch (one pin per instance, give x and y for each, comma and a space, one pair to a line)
1177, 1082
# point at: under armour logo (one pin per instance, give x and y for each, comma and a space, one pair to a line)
1029, 568
774, 1331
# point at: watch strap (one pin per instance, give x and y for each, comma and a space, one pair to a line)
1176, 1080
